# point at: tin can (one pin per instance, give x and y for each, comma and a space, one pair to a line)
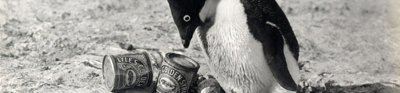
178, 72
208, 84
127, 71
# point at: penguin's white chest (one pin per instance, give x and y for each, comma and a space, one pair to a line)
237, 58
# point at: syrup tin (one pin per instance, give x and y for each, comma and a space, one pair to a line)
127, 71
178, 72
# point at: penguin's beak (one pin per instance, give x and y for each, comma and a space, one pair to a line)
186, 34
186, 17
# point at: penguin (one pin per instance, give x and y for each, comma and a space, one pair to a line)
250, 43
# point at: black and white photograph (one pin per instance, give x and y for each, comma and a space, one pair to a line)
199, 46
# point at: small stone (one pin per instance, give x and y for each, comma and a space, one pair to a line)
325, 74
127, 46
59, 81
65, 15
57, 59
45, 68
92, 75
147, 28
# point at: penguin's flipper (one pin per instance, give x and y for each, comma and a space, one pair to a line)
269, 25
273, 45
274, 14
274, 50
283, 37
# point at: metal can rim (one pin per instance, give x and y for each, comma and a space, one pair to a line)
109, 86
169, 56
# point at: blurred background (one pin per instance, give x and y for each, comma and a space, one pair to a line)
58, 45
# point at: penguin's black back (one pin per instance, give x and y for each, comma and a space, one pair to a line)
259, 12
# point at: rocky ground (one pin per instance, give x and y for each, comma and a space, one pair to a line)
57, 46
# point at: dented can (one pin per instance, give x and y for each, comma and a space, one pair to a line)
127, 71
178, 72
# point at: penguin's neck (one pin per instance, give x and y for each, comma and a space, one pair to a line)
225, 27
225, 24
237, 58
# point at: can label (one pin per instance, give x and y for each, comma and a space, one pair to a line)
172, 81
127, 71
135, 72
177, 74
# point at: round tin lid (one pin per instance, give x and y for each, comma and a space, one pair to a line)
182, 61
109, 72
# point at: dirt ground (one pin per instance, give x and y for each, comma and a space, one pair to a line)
57, 46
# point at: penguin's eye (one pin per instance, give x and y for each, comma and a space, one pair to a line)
186, 18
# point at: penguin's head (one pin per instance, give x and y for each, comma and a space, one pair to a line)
186, 17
